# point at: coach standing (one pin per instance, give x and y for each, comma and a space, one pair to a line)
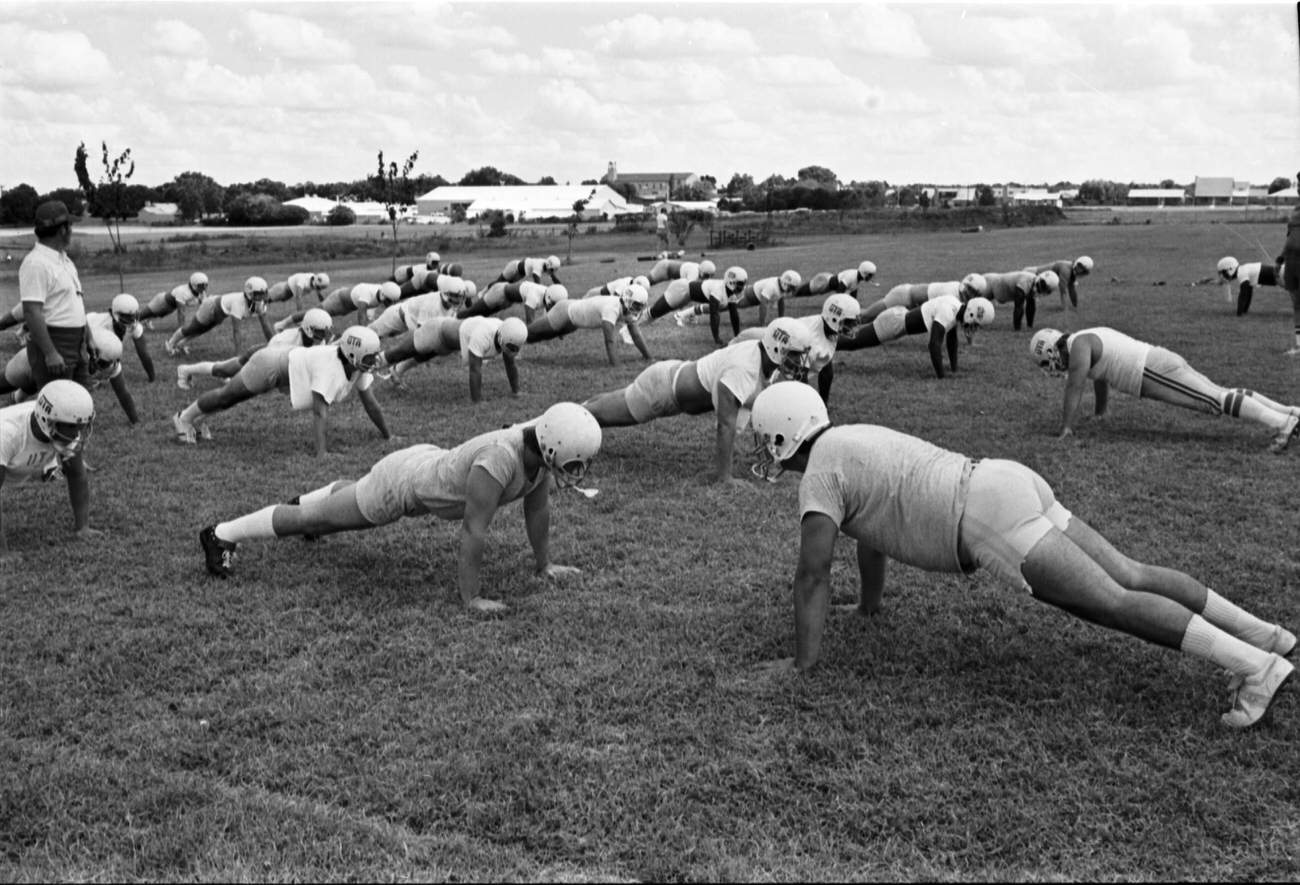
52, 302
1290, 261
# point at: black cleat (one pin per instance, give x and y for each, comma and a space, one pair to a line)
218, 555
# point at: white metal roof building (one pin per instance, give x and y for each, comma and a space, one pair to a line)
526, 201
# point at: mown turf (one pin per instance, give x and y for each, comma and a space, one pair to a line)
332, 713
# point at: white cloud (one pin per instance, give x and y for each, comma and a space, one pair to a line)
176, 38
878, 30
50, 59
294, 39
644, 34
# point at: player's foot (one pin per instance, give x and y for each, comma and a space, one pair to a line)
183, 377
184, 430
205, 432
1251, 698
1290, 430
680, 318
218, 555
1282, 642
169, 347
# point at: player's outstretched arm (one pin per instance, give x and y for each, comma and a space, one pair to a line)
950, 340
124, 398
320, 412
871, 570
4, 544
1074, 387
74, 470
728, 410
482, 496
146, 361
634, 331
607, 330
475, 378
1101, 390
512, 372
936, 348
812, 586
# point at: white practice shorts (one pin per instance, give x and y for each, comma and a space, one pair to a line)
652, 395
391, 489
1009, 508
891, 324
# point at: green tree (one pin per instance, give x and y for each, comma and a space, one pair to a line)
819, 174
923, 200
195, 195
984, 195
108, 195
18, 205
546, 180
394, 182
340, 216
1279, 184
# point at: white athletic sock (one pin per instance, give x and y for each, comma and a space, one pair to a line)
1272, 404
319, 494
1236, 620
204, 368
191, 413
1204, 640
1252, 409
253, 527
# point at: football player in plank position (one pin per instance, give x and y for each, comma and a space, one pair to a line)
770, 291
530, 269
910, 295
666, 269
723, 382
404, 272
105, 364
476, 338
845, 281
1067, 275
604, 312
122, 317
214, 310
905, 499
711, 293
618, 286
498, 296
1021, 288
314, 377
407, 314
298, 285
1112, 359
940, 317
43, 439
317, 327
361, 299
1248, 278
179, 298
837, 322
469, 483
446, 278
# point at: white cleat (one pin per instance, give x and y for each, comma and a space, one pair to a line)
1252, 696
1290, 430
183, 377
184, 430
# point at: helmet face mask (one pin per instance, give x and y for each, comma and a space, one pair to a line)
635, 300
125, 310
786, 343
1046, 282
840, 313
734, 281
1082, 266
255, 290
978, 312
1228, 268
789, 281
1045, 353
320, 282
317, 327
784, 417
510, 336
198, 282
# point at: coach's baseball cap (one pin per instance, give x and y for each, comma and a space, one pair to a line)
50, 215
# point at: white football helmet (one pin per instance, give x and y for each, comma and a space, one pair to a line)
735, 279
784, 417
840, 312
1228, 268
642, 281
786, 341
1045, 353
320, 281
255, 289
866, 270
1046, 282
569, 438
555, 293
389, 293
453, 296
471, 290
317, 326
788, 281
64, 412
105, 350
551, 264
1082, 266
125, 309
635, 300
432, 260
198, 282
978, 312
973, 285
360, 347
707, 269
512, 335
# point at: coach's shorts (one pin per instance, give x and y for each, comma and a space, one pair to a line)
650, 396
391, 489
1009, 508
266, 370
891, 324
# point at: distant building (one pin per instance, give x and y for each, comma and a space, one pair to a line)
159, 213
1212, 191
652, 186
527, 201
1156, 196
319, 208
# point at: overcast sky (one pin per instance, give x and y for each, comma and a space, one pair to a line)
918, 92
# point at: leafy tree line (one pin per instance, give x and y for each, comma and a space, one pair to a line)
199, 196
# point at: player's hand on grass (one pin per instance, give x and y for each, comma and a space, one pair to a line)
560, 572
486, 606
88, 534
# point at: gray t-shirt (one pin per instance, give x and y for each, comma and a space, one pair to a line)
898, 494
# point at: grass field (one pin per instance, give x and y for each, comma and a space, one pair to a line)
331, 712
